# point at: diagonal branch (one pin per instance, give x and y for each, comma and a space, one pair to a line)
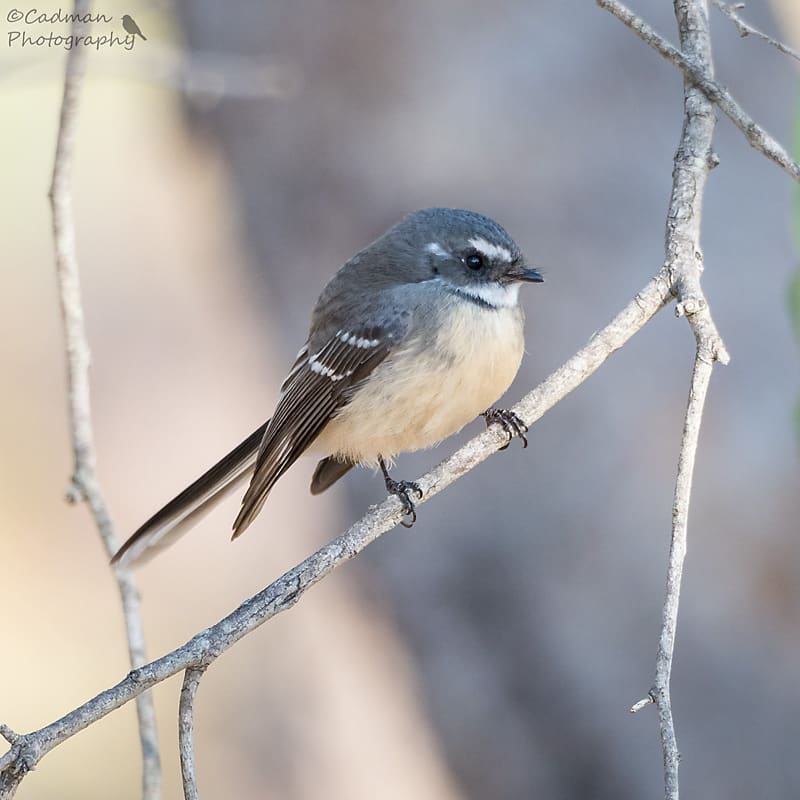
84, 484
283, 593
746, 29
716, 92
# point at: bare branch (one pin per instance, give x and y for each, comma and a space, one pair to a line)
718, 94
84, 484
745, 29
191, 680
693, 161
660, 692
283, 593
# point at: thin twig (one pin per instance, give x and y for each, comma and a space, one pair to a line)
718, 94
283, 593
746, 29
191, 680
660, 693
694, 159
701, 376
84, 484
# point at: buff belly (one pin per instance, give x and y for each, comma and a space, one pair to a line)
423, 393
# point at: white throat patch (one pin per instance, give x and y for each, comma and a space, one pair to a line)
496, 295
493, 252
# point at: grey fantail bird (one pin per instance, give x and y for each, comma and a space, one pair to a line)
412, 338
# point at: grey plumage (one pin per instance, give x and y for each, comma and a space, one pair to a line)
328, 471
309, 400
415, 335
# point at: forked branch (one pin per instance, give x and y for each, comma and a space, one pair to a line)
716, 92
693, 161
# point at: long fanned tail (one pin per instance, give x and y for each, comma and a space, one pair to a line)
193, 503
316, 388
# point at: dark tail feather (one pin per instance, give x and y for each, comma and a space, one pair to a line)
193, 503
328, 471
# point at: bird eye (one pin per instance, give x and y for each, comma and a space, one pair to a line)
474, 261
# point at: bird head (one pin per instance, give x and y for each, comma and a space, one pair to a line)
462, 250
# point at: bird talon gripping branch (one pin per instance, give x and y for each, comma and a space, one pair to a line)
400, 489
509, 422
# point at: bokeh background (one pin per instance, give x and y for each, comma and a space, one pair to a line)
224, 169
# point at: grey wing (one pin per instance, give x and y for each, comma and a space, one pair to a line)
328, 471
318, 385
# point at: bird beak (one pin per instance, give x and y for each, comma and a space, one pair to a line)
526, 275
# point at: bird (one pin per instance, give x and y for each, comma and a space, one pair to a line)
415, 336
129, 23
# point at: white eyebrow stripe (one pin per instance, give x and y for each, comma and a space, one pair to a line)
490, 250
437, 250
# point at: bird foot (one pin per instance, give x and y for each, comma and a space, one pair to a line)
401, 489
509, 422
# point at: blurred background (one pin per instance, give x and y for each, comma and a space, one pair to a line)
224, 169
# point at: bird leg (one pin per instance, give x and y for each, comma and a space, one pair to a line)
400, 489
509, 422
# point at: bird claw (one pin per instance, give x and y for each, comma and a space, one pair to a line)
400, 490
509, 422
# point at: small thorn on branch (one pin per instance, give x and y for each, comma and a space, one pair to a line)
719, 352
645, 701
8, 734
690, 305
75, 493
